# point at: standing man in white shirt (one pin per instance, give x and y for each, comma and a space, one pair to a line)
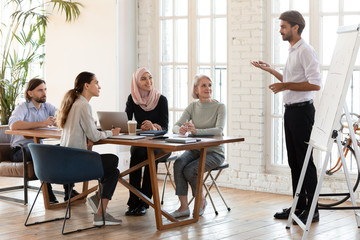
299, 82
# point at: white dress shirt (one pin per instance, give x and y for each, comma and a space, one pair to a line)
302, 65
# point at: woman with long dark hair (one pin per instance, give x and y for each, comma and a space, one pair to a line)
79, 131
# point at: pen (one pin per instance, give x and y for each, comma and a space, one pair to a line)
187, 130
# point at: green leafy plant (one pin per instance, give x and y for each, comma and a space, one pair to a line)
23, 37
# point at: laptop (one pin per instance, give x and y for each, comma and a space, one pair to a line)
109, 120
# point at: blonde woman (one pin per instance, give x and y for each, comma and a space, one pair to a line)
203, 117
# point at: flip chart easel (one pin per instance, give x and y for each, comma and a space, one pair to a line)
332, 103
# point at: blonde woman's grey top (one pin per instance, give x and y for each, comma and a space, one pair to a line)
208, 118
80, 125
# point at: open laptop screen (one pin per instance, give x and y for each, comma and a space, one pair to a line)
109, 120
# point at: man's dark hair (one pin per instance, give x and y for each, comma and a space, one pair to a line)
32, 84
294, 18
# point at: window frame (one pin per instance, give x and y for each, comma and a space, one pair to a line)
192, 63
34, 67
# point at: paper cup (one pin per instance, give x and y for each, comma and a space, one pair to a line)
132, 127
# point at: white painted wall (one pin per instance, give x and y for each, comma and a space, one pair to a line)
88, 44
102, 41
127, 47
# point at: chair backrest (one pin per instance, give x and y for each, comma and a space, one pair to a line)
63, 165
5, 148
4, 138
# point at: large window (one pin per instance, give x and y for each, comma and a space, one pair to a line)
192, 39
6, 9
320, 32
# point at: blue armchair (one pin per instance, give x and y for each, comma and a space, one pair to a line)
64, 165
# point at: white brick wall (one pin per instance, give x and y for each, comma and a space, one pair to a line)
247, 87
146, 34
246, 94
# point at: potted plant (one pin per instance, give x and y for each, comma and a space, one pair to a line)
23, 37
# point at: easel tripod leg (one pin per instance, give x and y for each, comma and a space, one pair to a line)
357, 154
317, 192
348, 181
299, 186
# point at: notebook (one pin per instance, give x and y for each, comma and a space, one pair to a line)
152, 133
181, 140
128, 137
109, 120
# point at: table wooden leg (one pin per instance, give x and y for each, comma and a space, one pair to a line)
145, 198
85, 188
198, 198
140, 165
156, 198
137, 192
134, 168
199, 183
81, 198
45, 193
154, 186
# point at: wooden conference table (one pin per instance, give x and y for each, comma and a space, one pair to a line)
151, 145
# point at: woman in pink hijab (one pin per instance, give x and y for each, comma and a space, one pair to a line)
150, 110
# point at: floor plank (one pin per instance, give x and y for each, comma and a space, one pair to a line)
251, 217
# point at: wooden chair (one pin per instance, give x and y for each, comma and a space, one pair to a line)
14, 169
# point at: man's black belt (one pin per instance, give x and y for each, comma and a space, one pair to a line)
300, 104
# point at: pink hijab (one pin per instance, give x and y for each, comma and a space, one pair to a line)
147, 100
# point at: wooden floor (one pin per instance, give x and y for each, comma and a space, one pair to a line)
251, 217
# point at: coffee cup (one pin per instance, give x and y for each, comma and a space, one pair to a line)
132, 127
